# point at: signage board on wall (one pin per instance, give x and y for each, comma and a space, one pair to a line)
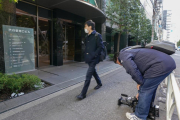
18, 49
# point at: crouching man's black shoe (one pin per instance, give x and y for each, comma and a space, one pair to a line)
80, 97
97, 87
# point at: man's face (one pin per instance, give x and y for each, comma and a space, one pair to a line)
88, 28
117, 62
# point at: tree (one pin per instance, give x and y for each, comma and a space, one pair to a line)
141, 27
155, 36
119, 13
178, 43
129, 16
16, 1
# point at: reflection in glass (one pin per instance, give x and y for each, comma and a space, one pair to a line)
69, 42
23, 19
18, 49
44, 42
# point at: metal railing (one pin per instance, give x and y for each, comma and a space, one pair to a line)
173, 97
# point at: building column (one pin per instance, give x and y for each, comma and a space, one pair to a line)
79, 43
58, 39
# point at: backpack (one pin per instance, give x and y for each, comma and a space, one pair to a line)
163, 46
103, 53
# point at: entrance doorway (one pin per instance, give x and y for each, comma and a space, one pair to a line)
44, 41
26, 16
68, 43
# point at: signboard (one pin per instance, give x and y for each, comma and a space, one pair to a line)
18, 49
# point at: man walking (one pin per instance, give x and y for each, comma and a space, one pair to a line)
94, 45
148, 68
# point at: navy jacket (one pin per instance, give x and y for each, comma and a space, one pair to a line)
146, 63
93, 47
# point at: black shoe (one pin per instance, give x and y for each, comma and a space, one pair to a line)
80, 97
97, 87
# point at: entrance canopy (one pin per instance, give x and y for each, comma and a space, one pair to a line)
78, 7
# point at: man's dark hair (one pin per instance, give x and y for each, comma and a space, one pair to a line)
90, 23
116, 55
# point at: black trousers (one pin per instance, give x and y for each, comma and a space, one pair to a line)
91, 72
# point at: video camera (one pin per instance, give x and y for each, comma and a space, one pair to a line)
132, 102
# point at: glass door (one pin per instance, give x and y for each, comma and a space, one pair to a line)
26, 18
44, 41
68, 43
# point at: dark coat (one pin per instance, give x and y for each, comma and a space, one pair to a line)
93, 47
146, 63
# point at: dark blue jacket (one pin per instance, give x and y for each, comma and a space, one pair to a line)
146, 63
93, 47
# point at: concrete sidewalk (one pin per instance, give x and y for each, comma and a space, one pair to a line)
99, 105
75, 70
60, 77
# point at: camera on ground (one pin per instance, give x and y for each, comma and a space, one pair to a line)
132, 102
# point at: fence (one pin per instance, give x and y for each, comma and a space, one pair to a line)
173, 97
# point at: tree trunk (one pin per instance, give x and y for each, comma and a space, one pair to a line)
102, 6
127, 38
154, 20
136, 42
118, 42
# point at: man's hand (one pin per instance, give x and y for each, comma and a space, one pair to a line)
137, 96
138, 86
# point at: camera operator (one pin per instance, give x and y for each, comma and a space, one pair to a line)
148, 67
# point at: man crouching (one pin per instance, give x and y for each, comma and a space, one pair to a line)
148, 68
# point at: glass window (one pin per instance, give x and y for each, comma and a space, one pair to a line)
44, 41
91, 1
69, 42
26, 17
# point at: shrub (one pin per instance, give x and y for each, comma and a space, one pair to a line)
18, 83
111, 56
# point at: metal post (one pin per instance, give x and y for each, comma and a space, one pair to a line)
52, 38
37, 34
127, 38
65, 43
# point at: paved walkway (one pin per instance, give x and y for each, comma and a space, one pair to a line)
60, 77
70, 72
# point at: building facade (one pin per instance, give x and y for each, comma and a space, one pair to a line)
58, 27
167, 23
148, 7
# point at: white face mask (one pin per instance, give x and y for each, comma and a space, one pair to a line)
86, 31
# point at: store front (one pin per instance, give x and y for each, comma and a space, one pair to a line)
26, 16
58, 28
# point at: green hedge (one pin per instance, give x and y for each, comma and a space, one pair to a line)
18, 83
111, 56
